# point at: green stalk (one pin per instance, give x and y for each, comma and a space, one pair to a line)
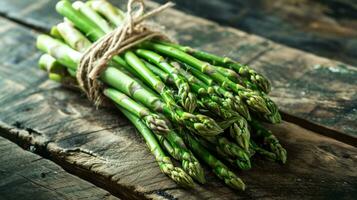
71, 35
186, 97
216, 60
114, 15
56, 71
165, 164
203, 77
129, 56
189, 162
205, 102
55, 33
274, 115
168, 80
68, 56
252, 98
270, 140
200, 85
153, 121
176, 147
200, 124
231, 74
221, 170
240, 163
179, 150
231, 151
150, 78
65, 8
165, 77
240, 133
92, 15
267, 154
244, 71
227, 99
49, 64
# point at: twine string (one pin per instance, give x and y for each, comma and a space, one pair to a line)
132, 32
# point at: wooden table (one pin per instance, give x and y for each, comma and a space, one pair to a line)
102, 147
327, 28
25, 175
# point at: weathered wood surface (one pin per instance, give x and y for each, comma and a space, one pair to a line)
101, 146
24, 175
116, 158
324, 27
315, 89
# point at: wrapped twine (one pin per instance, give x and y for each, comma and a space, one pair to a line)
132, 32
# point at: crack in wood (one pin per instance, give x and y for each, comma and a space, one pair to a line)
24, 23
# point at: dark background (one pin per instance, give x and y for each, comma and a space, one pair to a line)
324, 27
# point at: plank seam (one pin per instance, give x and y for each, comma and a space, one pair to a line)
23, 23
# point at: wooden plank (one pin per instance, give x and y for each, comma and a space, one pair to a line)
101, 146
24, 175
308, 87
327, 28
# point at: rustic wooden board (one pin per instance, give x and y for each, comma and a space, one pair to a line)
327, 28
24, 175
318, 92
102, 147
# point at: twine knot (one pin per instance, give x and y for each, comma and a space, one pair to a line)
132, 32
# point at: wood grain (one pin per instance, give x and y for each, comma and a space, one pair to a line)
24, 175
324, 27
103, 148
320, 91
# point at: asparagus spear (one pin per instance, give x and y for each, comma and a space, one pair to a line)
187, 98
210, 75
239, 130
240, 133
49, 64
218, 167
113, 14
173, 142
133, 61
176, 147
190, 164
56, 71
204, 101
225, 98
272, 116
55, 33
251, 98
165, 164
165, 77
116, 17
198, 123
156, 123
267, 154
244, 71
230, 150
92, 15
231, 74
156, 83
270, 140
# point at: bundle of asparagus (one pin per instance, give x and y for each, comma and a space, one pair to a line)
187, 103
